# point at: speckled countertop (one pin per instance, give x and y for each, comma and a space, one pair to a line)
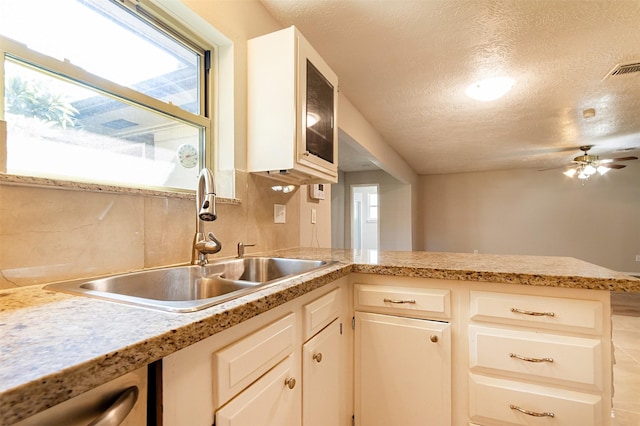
54, 346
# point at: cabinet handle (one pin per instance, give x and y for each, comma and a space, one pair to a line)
290, 382
531, 413
526, 358
398, 301
535, 314
317, 357
434, 338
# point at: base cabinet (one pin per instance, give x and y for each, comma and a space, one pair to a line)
539, 358
420, 352
289, 366
321, 374
506, 402
402, 371
274, 400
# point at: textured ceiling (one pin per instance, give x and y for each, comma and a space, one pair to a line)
405, 65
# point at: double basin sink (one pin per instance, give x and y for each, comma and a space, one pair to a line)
192, 287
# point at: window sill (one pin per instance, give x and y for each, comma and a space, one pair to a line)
9, 179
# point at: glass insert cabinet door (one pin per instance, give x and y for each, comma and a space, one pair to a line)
319, 119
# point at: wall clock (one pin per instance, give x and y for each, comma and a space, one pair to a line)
187, 156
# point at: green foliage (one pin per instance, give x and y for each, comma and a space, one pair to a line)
30, 99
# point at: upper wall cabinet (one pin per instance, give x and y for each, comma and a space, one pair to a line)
292, 110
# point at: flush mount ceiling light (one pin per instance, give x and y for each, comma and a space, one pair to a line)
490, 89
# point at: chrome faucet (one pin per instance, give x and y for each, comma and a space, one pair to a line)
205, 212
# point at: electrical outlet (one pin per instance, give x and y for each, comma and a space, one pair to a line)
637, 257
279, 213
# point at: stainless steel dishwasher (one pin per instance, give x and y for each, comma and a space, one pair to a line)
122, 401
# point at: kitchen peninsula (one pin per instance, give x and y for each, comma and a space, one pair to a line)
56, 346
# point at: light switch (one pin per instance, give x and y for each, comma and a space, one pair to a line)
279, 213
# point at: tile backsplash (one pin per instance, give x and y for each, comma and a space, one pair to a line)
52, 234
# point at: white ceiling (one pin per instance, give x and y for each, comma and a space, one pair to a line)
405, 64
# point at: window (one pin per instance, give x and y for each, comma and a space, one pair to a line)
102, 91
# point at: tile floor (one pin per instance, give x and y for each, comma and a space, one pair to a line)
626, 370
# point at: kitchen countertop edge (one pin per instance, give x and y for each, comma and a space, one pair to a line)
177, 331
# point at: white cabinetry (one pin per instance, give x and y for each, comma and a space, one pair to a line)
321, 378
326, 362
537, 358
274, 400
265, 371
292, 110
402, 365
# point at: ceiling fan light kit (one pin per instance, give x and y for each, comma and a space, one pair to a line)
587, 165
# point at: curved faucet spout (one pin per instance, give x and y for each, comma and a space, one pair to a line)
206, 196
205, 211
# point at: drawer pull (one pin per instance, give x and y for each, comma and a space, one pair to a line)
526, 358
399, 301
290, 382
535, 314
317, 357
531, 413
434, 338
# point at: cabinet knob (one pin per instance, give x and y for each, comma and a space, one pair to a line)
434, 338
317, 357
290, 382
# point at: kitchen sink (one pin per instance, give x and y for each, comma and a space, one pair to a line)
192, 287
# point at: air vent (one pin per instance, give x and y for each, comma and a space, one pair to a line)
623, 69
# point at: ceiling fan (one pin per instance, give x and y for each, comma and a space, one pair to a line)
586, 165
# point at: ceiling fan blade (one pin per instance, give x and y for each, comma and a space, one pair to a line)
613, 166
625, 158
611, 160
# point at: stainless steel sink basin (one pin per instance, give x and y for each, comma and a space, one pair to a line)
190, 288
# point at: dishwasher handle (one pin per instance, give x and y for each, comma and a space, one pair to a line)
119, 410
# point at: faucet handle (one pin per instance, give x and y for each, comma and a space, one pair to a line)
241, 247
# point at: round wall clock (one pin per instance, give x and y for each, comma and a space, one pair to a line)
187, 156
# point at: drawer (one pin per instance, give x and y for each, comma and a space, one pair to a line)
403, 300
496, 401
585, 316
270, 401
320, 313
241, 363
572, 361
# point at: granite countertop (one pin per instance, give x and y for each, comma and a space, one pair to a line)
55, 346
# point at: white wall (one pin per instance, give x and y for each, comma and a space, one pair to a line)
338, 216
315, 234
535, 213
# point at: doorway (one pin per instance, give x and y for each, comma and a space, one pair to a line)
364, 217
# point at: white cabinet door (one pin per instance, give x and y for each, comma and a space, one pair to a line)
273, 400
402, 371
292, 101
321, 374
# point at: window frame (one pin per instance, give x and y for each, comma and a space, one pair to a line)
14, 50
